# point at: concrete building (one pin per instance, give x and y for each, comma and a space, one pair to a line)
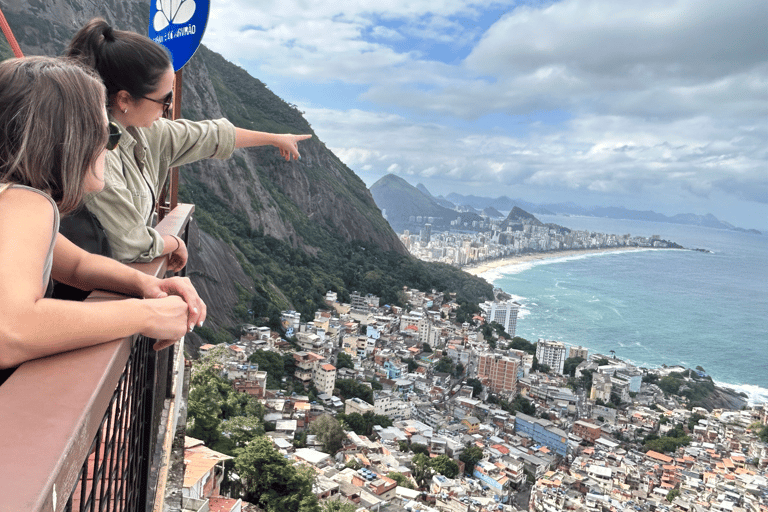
357, 405
504, 313
544, 432
581, 352
500, 371
325, 378
588, 431
551, 353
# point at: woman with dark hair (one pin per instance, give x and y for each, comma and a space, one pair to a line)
54, 138
138, 75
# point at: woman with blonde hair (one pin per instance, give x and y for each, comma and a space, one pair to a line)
54, 138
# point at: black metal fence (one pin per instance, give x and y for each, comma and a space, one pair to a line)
117, 474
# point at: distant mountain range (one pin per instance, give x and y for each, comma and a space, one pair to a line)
390, 194
408, 207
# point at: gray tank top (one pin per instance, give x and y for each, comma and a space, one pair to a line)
49, 257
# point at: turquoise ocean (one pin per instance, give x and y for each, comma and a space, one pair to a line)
658, 306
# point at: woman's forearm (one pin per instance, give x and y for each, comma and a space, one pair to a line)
76, 267
286, 143
51, 326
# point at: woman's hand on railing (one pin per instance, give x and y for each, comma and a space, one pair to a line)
181, 287
167, 319
178, 258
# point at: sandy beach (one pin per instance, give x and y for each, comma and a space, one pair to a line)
524, 258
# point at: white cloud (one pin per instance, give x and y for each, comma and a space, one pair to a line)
663, 99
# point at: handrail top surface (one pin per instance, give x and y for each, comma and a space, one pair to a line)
51, 408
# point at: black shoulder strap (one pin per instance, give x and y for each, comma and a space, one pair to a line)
84, 230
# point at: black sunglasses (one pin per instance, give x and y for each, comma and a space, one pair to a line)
114, 136
166, 102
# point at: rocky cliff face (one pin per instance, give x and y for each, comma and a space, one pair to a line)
303, 203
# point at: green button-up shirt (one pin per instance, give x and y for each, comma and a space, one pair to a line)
137, 169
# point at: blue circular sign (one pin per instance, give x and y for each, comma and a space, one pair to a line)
178, 25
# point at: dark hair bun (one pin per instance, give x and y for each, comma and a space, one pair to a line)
108, 33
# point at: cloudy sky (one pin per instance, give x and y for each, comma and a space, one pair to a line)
659, 104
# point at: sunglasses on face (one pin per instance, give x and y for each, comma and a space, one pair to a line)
114, 136
166, 102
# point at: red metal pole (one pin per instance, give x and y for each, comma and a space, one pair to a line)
9, 36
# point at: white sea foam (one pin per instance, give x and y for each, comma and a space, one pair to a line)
756, 394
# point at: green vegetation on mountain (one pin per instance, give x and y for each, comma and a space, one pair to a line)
284, 232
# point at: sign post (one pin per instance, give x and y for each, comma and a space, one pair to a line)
179, 26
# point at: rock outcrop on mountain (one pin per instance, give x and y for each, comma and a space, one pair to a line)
308, 206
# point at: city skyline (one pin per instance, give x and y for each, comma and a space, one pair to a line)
654, 106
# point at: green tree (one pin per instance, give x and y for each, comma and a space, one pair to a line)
477, 386
363, 424
354, 463
569, 367
445, 466
331, 505
241, 430
412, 365
350, 388
459, 371
444, 365
523, 405
421, 469
270, 481
344, 360
585, 381
426, 348
420, 448
669, 384
204, 413
523, 344
329, 433
471, 455
273, 364
401, 479
466, 311
500, 331
671, 495
353, 421
763, 434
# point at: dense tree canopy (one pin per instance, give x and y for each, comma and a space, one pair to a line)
471, 455
272, 363
445, 465
272, 482
523, 344
477, 387
669, 443
329, 433
350, 388
412, 365
569, 367
344, 360
362, 424
401, 479
444, 365
421, 469
218, 415
332, 505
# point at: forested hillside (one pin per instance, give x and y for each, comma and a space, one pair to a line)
268, 234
